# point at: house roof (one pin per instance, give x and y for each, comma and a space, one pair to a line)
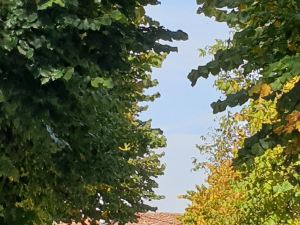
143, 219
157, 219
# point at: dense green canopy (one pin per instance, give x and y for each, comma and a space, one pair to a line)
73, 73
264, 49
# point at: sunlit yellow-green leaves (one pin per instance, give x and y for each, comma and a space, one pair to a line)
44, 4
257, 69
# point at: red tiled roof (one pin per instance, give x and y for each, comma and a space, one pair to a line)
143, 219
83, 222
157, 219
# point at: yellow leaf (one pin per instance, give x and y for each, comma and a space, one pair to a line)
255, 89
278, 130
290, 84
238, 117
298, 126
126, 147
265, 90
277, 24
293, 117
242, 7
289, 129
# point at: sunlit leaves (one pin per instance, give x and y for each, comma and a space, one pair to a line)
218, 202
264, 49
52, 74
44, 4
293, 122
99, 81
258, 113
272, 189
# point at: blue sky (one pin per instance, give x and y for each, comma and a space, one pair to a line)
182, 112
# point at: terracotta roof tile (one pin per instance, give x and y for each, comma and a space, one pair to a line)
143, 219
157, 219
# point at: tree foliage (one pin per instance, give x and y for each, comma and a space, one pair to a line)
73, 73
219, 201
258, 69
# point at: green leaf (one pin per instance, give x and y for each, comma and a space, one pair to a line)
213, 67
99, 81
295, 67
116, 15
2, 97
25, 50
96, 82
257, 149
105, 20
202, 71
7, 169
284, 187
232, 100
55, 74
49, 3
1, 211
68, 73
108, 83
9, 42
45, 80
